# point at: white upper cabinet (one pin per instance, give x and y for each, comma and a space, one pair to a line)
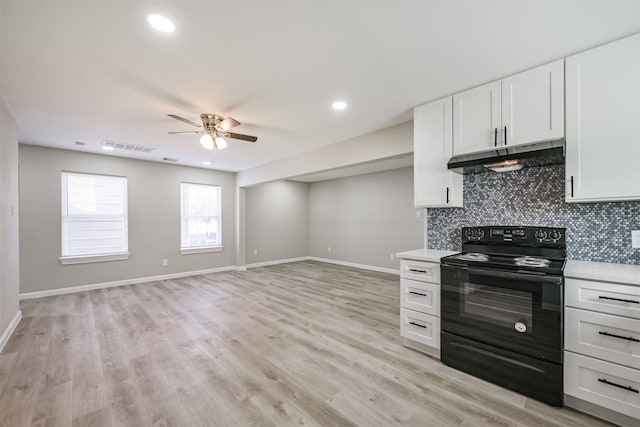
477, 118
434, 184
603, 123
533, 105
524, 108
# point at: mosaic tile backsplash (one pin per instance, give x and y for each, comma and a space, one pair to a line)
535, 197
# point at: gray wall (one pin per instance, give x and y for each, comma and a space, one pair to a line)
364, 218
535, 197
9, 271
154, 219
277, 221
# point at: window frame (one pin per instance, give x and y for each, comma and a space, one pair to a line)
64, 220
207, 248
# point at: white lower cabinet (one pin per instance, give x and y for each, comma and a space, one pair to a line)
605, 384
603, 297
612, 338
420, 296
420, 305
419, 327
602, 347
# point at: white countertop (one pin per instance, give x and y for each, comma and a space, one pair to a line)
431, 255
603, 271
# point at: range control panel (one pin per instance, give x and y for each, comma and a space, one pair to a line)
517, 235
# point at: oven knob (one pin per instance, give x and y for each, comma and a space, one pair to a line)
556, 235
480, 234
520, 327
541, 235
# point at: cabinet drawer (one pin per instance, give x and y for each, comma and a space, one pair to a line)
420, 270
606, 384
623, 300
420, 296
613, 338
420, 327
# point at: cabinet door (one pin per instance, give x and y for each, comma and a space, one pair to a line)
533, 105
603, 123
434, 184
477, 118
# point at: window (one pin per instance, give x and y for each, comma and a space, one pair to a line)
94, 218
200, 218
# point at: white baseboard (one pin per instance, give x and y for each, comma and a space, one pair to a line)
12, 327
82, 288
278, 261
354, 265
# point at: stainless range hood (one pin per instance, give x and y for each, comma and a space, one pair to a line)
504, 159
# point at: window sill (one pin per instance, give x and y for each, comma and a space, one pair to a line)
83, 259
189, 251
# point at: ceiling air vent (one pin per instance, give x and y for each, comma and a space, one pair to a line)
169, 159
115, 145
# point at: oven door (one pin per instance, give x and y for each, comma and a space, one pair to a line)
519, 312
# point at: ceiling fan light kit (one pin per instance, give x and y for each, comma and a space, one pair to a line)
221, 143
214, 130
207, 141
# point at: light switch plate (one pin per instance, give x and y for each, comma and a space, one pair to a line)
635, 239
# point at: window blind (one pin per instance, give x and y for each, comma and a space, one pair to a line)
94, 214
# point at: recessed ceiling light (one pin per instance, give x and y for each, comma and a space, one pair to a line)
107, 147
206, 163
339, 105
161, 23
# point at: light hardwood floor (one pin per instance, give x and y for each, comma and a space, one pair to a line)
304, 343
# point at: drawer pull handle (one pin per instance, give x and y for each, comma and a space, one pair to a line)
418, 293
418, 324
619, 299
624, 387
619, 336
415, 270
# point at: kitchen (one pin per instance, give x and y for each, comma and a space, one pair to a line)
482, 311
297, 232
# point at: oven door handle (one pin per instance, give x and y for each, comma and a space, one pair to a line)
555, 280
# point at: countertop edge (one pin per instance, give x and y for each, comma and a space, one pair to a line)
626, 274
429, 255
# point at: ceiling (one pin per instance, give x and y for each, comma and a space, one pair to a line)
90, 71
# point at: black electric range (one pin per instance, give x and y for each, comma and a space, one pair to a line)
502, 308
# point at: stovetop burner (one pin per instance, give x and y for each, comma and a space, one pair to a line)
529, 261
473, 256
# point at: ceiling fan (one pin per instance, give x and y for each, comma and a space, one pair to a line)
214, 130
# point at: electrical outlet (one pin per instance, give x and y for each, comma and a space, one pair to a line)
329, 249
255, 252
165, 262
391, 256
635, 239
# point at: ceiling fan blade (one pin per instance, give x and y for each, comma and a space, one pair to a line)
186, 131
241, 136
182, 119
228, 123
